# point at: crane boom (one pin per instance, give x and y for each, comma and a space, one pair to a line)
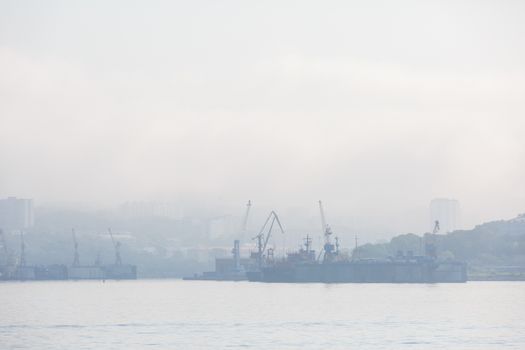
244, 223
323, 219
262, 239
327, 231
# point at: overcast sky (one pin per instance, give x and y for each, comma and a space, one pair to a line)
376, 107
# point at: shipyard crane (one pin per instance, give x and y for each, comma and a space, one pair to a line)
329, 249
244, 223
76, 259
116, 245
262, 239
327, 231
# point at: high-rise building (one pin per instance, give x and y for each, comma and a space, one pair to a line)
447, 212
16, 213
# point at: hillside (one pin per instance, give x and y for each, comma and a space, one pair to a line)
494, 250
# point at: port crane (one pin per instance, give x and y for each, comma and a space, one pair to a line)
329, 249
116, 245
244, 223
262, 238
76, 259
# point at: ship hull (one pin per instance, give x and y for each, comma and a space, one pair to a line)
365, 272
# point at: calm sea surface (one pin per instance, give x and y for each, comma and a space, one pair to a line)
174, 314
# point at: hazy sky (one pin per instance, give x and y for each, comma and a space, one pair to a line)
376, 107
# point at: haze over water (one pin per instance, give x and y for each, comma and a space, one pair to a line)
174, 314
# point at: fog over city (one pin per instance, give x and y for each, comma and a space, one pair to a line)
376, 110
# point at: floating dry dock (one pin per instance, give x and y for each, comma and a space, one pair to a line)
364, 271
303, 266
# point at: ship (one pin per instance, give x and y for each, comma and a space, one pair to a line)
304, 267
232, 268
237, 268
331, 265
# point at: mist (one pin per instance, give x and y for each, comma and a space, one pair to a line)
374, 108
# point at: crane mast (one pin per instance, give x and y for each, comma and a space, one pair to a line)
262, 238
327, 231
329, 249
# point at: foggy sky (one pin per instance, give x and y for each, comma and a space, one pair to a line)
376, 107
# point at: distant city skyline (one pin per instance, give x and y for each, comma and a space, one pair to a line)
216, 221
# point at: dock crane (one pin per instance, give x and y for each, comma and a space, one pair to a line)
329, 248
244, 223
76, 259
116, 245
262, 238
326, 230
